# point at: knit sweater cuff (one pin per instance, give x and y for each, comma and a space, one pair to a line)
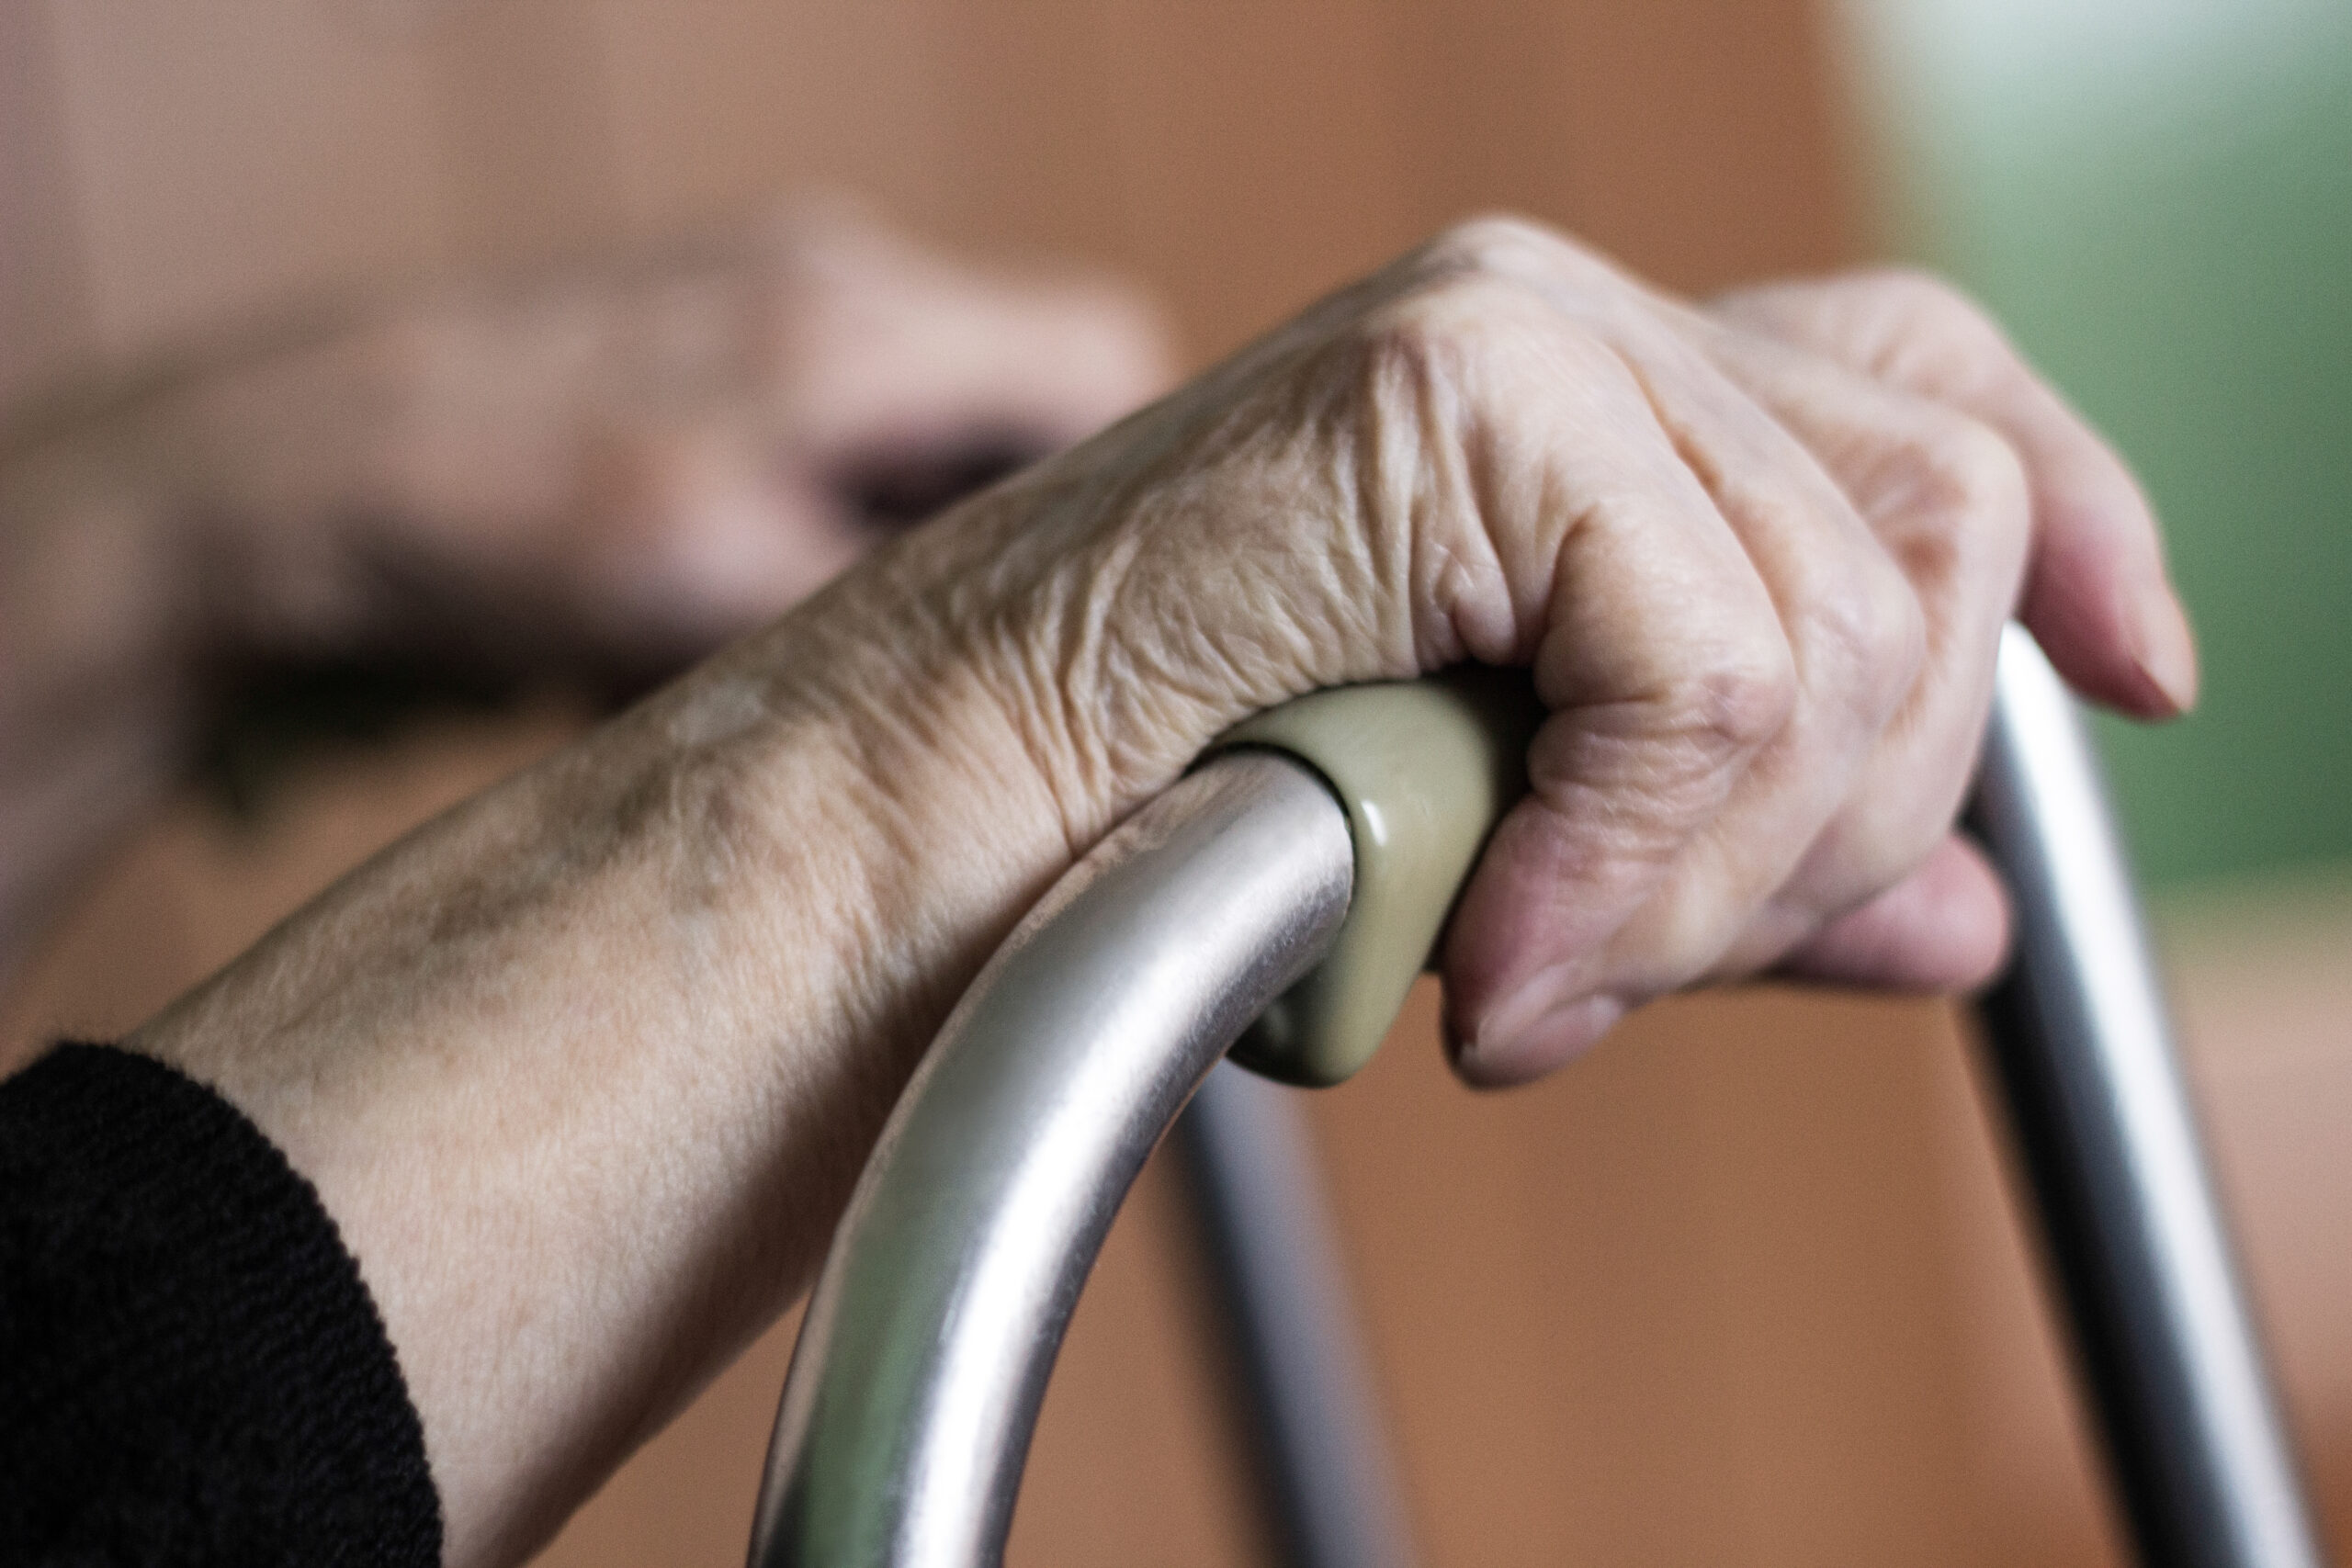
191, 1371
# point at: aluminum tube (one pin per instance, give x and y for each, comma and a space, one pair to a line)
2079, 1036
907, 1414
1330, 1480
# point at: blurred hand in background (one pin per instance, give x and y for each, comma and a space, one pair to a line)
589, 476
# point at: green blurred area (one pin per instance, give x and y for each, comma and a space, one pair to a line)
2173, 244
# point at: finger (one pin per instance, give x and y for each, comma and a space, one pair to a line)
1947, 498
1943, 928
1858, 638
2096, 595
1665, 665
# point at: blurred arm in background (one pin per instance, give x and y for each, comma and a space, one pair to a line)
590, 475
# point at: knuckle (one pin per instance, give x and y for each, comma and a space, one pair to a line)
1493, 244
1929, 303
1736, 698
1979, 476
1939, 329
1446, 327
1410, 346
1852, 614
1483, 292
1972, 504
1425, 325
1870, 622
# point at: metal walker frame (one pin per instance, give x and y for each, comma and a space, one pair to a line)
906, 1418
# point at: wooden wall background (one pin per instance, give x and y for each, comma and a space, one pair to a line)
169, 167
1745, 1287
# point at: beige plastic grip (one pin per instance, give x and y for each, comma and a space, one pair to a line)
1425, 770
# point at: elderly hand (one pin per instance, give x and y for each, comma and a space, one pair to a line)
636, 1015
1758, 554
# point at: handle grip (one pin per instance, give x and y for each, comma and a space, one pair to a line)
1424, 769
2077, 1033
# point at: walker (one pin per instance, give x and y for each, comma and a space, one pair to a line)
1277, 903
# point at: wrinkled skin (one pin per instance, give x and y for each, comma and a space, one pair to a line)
583, 1069
1758, 555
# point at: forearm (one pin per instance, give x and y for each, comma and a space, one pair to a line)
583, 1071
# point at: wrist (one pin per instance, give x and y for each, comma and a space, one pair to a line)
647, 1005
945, 822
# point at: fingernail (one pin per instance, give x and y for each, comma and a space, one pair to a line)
2166, 651
1511, 1051
1502, 1024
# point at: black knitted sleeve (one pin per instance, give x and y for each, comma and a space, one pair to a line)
191, 1371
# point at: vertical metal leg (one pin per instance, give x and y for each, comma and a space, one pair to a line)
1332, 1483
2085, 1057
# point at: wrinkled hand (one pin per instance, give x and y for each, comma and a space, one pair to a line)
1758, 554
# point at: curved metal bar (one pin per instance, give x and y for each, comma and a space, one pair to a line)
907, 1416
2079, 1036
